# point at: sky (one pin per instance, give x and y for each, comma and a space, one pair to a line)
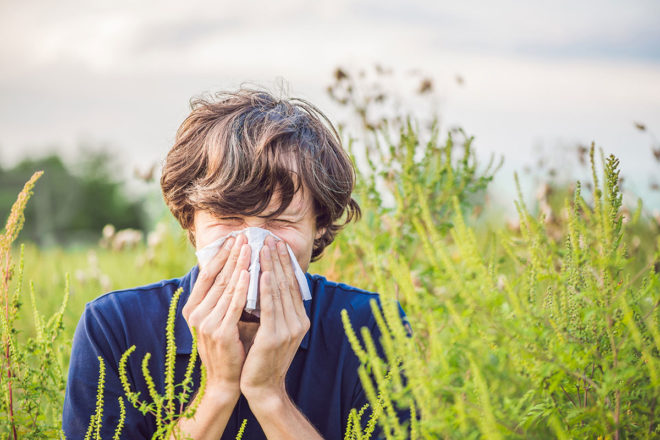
538, 77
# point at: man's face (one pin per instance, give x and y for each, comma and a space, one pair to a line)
296, 226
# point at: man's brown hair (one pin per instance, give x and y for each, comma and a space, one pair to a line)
237, 149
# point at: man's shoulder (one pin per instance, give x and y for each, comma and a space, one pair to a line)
144, 302
331, 297
150, 292
341, 292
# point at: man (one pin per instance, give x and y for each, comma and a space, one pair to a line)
243, 159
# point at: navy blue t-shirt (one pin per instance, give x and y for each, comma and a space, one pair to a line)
322, 380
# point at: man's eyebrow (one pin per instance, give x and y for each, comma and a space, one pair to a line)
291, 215
290, 212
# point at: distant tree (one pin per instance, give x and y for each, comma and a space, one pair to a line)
72, 203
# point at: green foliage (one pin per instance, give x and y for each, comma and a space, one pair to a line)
522, 336
96, 420
241, 430
34, 373
95, 270
164, 407
33, 367
408, 172
439, 174
74, 202
546, 330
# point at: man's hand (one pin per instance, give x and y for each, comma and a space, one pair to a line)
213, 311
284, 323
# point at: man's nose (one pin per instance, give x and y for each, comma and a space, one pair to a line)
255, 222
258, 223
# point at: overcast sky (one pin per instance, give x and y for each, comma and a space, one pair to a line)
537, 75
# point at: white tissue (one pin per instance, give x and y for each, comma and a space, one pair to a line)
255, 237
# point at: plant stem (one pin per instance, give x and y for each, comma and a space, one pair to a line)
617, 413
568, 396
5, 289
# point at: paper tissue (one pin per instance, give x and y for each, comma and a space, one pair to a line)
255, 238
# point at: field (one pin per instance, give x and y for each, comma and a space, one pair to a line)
546, 328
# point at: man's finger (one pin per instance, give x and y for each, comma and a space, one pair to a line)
239, 298
227, 270
234, 256
266, 291
276, 295
222, 279
207, 276
219, 311
283, 285
296, 296
225, 275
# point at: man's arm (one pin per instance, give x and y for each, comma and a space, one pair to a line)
284, 323
281, 419
211, 417
212, 312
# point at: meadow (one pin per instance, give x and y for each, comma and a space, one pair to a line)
543, 328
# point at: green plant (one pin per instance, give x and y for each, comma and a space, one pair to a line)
522, 337
33, 378
76, 198
96, 420
164, 407
404, 171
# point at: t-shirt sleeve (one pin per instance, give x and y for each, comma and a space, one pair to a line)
359, 396
97, 336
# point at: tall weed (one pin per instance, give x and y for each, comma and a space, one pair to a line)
526, 336
32, 377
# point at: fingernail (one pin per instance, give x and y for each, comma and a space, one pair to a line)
281, 248
244, 249
229, 243
266, 252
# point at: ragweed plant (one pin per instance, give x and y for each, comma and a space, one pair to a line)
169, 407
32, 377
241, 430
403, 166
525, 336
410, 172
96, 420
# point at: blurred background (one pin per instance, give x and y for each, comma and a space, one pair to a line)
93, 92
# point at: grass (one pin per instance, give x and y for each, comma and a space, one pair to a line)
95, 270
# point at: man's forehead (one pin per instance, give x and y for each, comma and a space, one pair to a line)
299, 205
